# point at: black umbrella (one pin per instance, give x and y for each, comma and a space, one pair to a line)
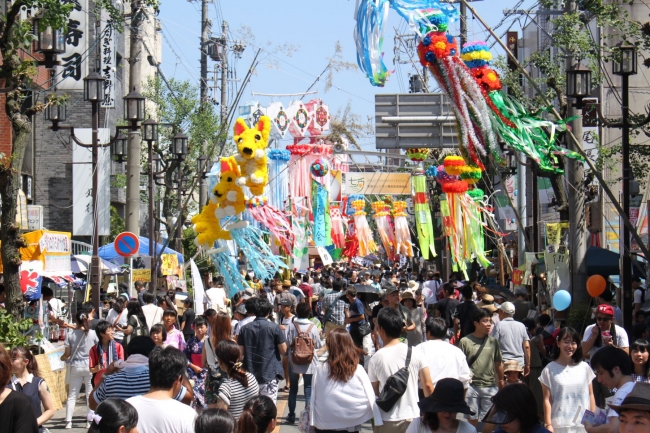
497, 290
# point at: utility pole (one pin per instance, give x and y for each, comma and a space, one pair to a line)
224, 72
205, 34
463, 24
135, 140
578, 234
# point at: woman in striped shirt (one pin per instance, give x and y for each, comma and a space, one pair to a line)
240, 386
639, 354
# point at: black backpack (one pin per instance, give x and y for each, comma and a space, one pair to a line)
395, 386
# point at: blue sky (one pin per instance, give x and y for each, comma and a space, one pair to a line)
314, 27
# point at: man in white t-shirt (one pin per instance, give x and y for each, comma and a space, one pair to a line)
216, 298
387, 361
157, 409
444, 359
152, 313
613, 368
595, 336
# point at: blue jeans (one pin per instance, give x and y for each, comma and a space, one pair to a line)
293, 389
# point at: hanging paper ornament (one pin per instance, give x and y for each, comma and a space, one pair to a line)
443, 177
403, 244
386, 232
471, 174
474, 225
454, 165
364, 235
417, 154
338, 235
275, 221
279, 119
432, 171
252, 111
319, 168
319, 117
251, 243
299, 119
351, 248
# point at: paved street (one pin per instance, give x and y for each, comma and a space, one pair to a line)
57, 423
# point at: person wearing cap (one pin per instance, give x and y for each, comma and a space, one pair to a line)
415, 336
613, 368
513, 337
639, 293
484, 358
634, 410
187, 319
513, 410
284, 294
392, 296
248, 311
604, 332
440, 408
522, 305
444, 359
512, 372
463, 316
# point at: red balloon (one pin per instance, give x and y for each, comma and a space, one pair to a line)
596, 285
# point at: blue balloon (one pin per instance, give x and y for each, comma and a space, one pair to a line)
561, 300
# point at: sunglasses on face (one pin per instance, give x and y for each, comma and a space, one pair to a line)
603, 319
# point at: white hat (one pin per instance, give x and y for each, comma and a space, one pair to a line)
414, 285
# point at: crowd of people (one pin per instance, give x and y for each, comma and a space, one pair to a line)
405, 351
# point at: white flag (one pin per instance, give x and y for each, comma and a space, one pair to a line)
197, 284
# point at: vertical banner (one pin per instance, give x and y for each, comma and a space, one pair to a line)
197, 285
73, 66
82, 192
108, 62
558, 275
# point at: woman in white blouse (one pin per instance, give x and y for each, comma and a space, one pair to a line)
342, 397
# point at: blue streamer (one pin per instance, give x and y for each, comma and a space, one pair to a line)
371, 16
227, 265
260, 257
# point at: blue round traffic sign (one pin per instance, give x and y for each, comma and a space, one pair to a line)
126, 244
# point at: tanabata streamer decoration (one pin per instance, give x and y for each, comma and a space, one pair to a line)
321, 210
481, 108
278, 188
371, 17
228, 267
417, 155
250, 242
338, 234
302, 157
403, 244
386, 233
364, 234
274, 220
301, 245
475, 225
423, 222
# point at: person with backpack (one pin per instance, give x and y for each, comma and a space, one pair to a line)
304, 339
136, 325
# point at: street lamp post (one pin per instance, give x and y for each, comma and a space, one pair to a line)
150, 134
625, 65
56, 113
180, 150
578, 87
133, 113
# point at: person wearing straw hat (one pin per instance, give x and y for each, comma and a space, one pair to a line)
439, 410
415, 336
634, 410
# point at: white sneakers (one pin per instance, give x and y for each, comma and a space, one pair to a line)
68, 425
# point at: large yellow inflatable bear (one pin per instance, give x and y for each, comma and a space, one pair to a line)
251, 146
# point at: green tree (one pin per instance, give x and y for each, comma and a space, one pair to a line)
177, 104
